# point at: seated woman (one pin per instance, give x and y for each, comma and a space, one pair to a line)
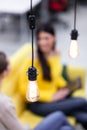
8, 118
53, 90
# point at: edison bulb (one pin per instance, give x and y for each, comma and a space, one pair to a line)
33, 93
73, 49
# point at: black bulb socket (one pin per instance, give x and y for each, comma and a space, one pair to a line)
32, 21
74, 34
32, 73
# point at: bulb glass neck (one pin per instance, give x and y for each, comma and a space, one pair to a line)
32, 74
74, 34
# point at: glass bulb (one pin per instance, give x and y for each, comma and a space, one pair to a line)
33, 93
73, 49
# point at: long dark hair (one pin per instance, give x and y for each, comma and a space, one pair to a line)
43, 61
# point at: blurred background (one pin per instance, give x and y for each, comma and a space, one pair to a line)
14, 30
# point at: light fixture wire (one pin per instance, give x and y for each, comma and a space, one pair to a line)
75, 13
32, 35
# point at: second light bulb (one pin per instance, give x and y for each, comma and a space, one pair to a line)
74, 49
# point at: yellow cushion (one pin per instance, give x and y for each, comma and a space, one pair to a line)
80, 93
72, 121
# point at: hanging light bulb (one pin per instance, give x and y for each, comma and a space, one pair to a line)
74, 47
32, 93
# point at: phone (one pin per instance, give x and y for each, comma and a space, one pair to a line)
74, 85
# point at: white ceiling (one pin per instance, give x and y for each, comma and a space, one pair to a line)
16, 6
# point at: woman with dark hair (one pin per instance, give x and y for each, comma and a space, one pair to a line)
8, 118
53, 87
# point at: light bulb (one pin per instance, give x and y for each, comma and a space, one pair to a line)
74, 49
33, 93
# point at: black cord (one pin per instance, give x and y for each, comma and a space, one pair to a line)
32, 48
32, 72
32, 34
75, 13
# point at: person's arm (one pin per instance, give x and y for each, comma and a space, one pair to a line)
23, 78
8, 116
61, 94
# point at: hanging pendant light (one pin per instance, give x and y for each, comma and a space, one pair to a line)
74, 47
32, 93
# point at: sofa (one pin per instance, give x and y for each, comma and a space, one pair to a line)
10, 87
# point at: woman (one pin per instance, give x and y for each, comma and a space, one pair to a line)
8, 118
53, 90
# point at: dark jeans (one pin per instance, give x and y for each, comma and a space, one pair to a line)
55, 121
76, 107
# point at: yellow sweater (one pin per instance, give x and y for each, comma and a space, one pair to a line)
47, 88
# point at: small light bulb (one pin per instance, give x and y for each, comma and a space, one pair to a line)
33, 93
74, 49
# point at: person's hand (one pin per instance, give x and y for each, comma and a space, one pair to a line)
61, 94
